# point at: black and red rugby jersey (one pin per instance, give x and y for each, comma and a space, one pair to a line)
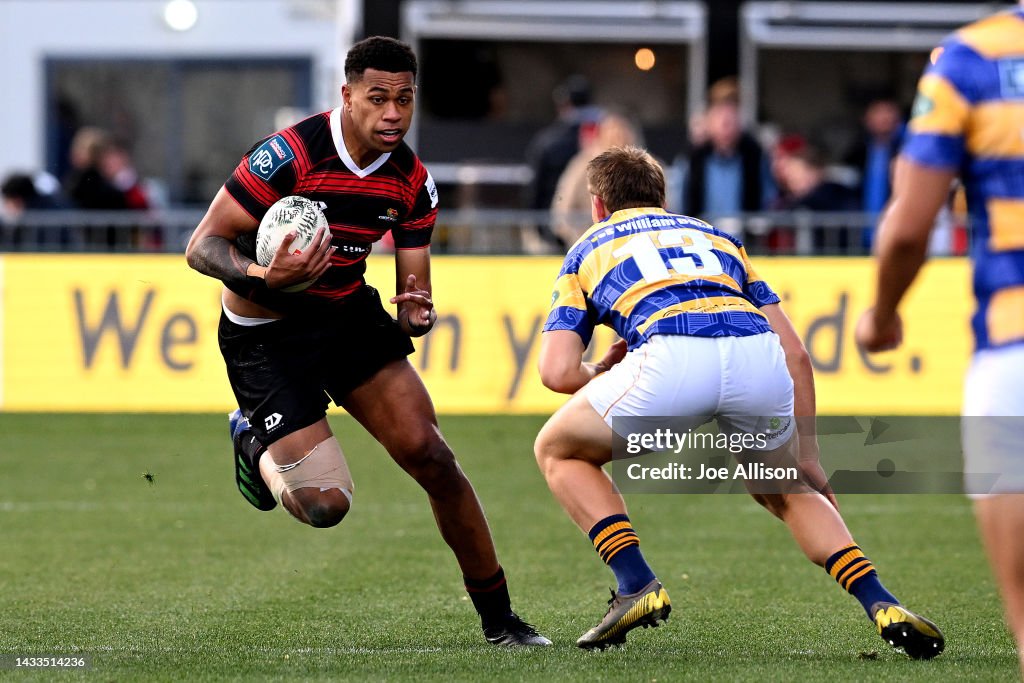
395, 193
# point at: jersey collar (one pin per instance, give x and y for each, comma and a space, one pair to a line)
346, 158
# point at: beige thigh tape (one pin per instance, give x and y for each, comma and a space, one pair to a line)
323, 468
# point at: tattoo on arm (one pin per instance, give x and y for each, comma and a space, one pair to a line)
218, 257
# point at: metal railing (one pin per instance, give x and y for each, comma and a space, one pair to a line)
100, 231
458, 231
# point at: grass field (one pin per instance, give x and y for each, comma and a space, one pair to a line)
179, 579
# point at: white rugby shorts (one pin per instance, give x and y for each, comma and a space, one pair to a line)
992, 426
741, 381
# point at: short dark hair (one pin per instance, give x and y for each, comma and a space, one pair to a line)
381, 53
626, 178
19, 186
574, 91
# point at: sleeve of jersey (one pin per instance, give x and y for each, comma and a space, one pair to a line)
756, 289
264, 175
939, 120
415, 231
569, 308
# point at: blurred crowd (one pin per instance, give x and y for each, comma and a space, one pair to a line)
724, 174
101, 176
727, 171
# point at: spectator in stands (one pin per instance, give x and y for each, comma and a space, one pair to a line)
553, 147
570, 209
873, 154
21, 192
803, 174
117, 168
787, 145
87, 186
781, 238
90, 188
729, 173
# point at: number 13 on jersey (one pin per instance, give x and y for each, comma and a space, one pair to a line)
646, 251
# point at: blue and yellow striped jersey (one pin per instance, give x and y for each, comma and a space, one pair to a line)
969, 117
645, 272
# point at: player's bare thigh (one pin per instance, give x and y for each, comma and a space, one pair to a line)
295, 446
395, 408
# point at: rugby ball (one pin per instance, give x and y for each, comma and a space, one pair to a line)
298, 214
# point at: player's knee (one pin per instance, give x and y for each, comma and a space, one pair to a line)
548, 450
319, 508
542, 452
430, 461
327, 509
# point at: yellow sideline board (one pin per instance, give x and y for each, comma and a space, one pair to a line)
139, 333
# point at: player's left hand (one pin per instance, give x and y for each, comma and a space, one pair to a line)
874, 335
416, 314
809, 461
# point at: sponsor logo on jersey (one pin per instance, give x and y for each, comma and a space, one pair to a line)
923, 105
270, 157
280, 151
391, 216
431, 190
1011, 77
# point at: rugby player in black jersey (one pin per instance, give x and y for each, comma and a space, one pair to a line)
289, 354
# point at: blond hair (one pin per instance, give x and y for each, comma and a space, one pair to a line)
88, 146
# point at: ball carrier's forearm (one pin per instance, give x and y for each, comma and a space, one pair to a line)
212, 250
218, 257
416, 314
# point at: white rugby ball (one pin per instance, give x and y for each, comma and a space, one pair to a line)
298, 214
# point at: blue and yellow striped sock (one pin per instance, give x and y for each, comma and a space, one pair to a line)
855, 573
618, 545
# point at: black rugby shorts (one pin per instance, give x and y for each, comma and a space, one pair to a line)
285, 373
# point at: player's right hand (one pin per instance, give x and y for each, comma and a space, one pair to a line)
874, 335
616, 352
814, 474
287, 268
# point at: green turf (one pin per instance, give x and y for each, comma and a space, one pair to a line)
179, 579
